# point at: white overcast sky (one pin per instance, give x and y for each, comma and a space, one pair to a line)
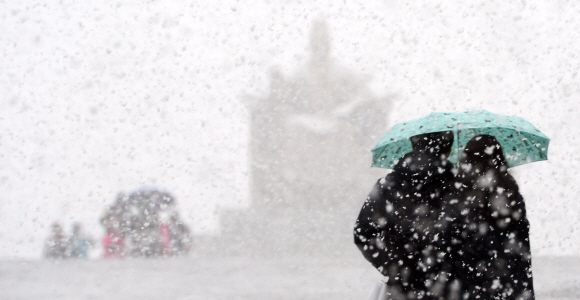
102, 97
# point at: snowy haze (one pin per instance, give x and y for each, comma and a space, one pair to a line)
102, 98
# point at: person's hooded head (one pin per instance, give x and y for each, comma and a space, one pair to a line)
483, 152
77, 228
483, 163
427, 163
57, 228
434, 144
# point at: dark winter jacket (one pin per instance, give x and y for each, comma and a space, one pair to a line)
485, 220
395, 228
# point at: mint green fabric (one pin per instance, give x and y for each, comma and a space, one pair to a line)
521, 141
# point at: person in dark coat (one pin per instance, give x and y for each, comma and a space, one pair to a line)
395, 227
56, 246
484, 219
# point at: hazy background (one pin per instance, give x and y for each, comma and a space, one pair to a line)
101, 98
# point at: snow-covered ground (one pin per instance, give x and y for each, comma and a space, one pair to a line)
217, 278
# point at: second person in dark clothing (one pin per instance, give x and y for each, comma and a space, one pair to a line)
484, 224
395, 228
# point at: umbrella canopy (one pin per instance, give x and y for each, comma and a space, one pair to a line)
521, 141
152, 198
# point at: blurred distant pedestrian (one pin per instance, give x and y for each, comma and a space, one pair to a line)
115, 215
79, 243
55, 246
180, 236
165, 235
139, 223
113, 244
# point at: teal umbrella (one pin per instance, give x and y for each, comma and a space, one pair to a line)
521, 141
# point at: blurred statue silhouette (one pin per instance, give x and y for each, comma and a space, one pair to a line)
55, 246
319, 120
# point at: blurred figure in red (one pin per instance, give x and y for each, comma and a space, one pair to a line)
165, 235
113, 244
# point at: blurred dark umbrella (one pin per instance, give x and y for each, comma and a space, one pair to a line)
150, 198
